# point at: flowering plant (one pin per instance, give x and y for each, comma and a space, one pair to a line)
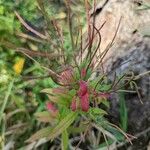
79, 101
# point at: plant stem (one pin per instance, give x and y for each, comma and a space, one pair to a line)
70, 23
6, 99
2, 135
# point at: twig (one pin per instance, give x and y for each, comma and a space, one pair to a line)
99, 10
137, 136
87, 44
119, 80
105, 138
52, 74
81, 139
34, 77
99, 35
104, 131
37, 53
141, 75
126, 135
129, 81
28, 27
138, 93
26, 36
126, 91
110, 44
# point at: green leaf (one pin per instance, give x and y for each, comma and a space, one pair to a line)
106, 103
1, 10
65, 140
123, 111
77, 130
104, 145
7, 23
43, 133
105, 87
63, 125
60, 99
95, 82
88, 74
44, 116
47, 91
19, 102
97, 111
118, 135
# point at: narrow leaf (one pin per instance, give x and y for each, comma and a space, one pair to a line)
63, 125
44, 116
47, 91
40, 134
97, 111
123, 111
65, 140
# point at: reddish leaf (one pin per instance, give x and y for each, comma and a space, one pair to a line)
85, 102
73, 105
83, 88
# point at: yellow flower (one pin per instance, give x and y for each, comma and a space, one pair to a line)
18, 66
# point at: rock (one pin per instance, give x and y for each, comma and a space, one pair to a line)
131, 52
134, 24
139, 114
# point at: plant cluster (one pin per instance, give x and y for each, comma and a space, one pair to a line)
76, 101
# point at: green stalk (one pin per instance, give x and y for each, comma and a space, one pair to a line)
6, 100
70, 23
2, 135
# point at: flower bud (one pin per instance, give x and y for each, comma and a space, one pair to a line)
73, 105
50, 106
85, 102
83, 73
83, 88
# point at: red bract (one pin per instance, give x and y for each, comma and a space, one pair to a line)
73, 105
66, 77
50, 106
101, 94
85, 102
83, 95
83, 88
83, 73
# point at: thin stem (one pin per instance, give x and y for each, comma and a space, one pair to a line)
52, 74
105, 138
141, 75
3, 133
6, 99
70, 23
138, 93
121, 131
29, 28
104, 131
110, 44
119, 80
99, 81
81, 139
99, 35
